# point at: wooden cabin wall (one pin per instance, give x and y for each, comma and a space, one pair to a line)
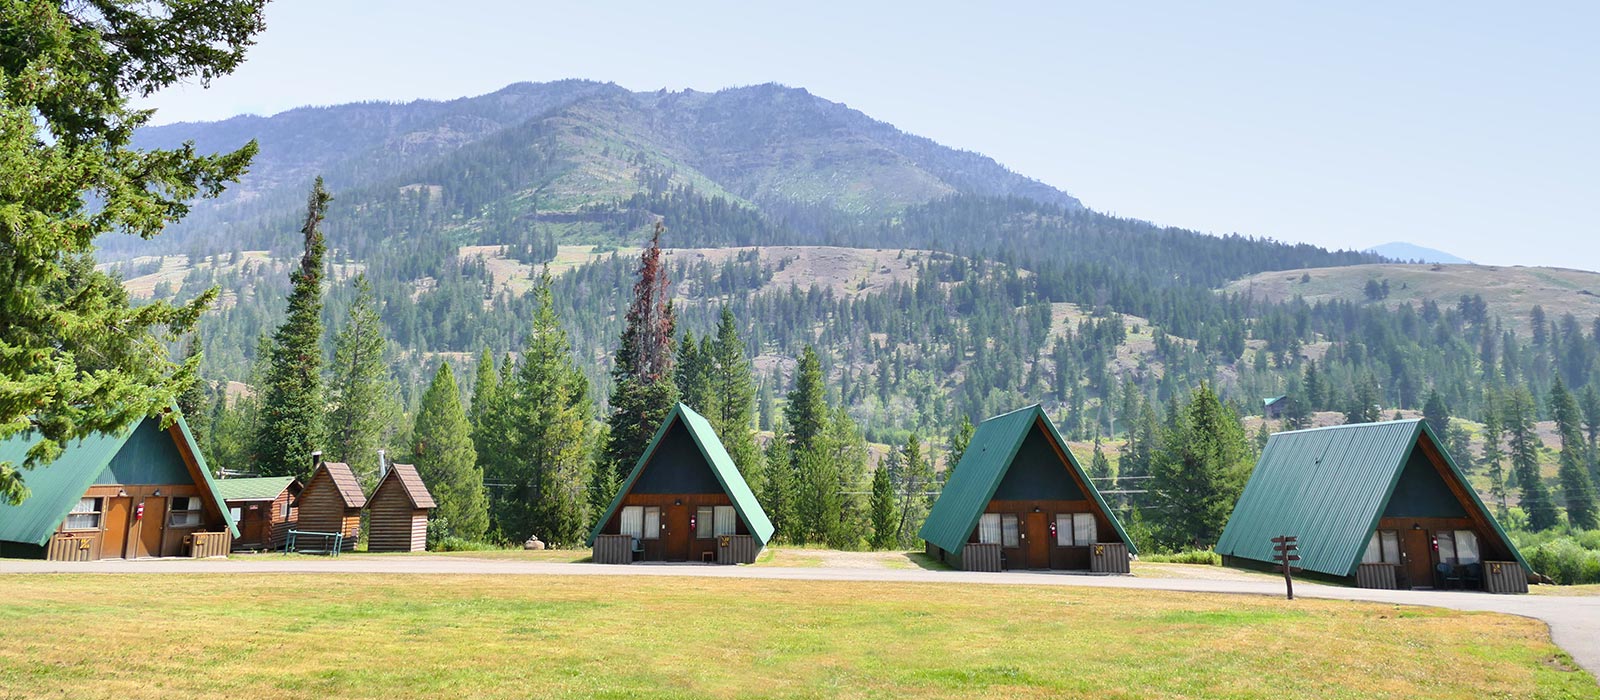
322, 509
393, 525
120, 536
682, 545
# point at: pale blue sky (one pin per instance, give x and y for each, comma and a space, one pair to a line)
1464, 126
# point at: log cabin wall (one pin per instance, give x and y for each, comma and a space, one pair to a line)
324, 509
393, 524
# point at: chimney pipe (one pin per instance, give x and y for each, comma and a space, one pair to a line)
383, 466
316, 459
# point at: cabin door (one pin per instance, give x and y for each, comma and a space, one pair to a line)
150, 527
253, 529
1038, 544
1417, 549
677, 533
115, 544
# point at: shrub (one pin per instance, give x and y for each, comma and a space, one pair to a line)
1187, 556
1565, 561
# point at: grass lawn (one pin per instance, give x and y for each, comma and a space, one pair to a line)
372, 636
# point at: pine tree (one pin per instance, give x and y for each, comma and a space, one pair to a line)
1494, 456
1591, 422
1524, 444
1363, 404
806, 410
733, 386
553, 430
441, 447
362, 405
778, 493
1576, 489
1099, 466
1436, 414
914, 482
292, 421
693, 376
644, 391
195, 404
960, 437
76, 357
1197, 477
1316, 393
884, 521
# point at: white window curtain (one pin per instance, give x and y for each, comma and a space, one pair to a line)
633, 522
1467, 547
1391, 546
989, 528
1064, 530
85, 515
726, 521
1008, 530
1447, 546
652, 523
236, 513
1083, 529
1374, 553
703, 522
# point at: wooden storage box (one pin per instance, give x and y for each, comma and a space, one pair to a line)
1108, 558
980, 557
613, 549
1504, 577
1377, 576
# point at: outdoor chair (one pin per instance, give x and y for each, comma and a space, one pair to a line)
1472, 576
1447, 575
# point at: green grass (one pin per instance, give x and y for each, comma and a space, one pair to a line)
398, 636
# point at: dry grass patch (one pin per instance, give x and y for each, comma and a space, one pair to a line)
377, 636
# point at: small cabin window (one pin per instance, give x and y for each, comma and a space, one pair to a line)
1084, 530
236, 513
286, 506
85, 515
652, 522
633, 522
1384, 548
1063, 529
1008, 530
703, 525
989, 528
1458, 547
185, 512
727, 521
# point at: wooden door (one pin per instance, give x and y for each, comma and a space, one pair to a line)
1038, 544
115, 543
677, 534
151, 526
253, 531
1417, 548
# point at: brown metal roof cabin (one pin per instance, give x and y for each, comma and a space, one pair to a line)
397, 512
332, 502
265, 508
140, 492
1019, 500
684, 501
1380, 505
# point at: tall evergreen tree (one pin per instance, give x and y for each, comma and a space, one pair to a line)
779, 492
734, 388
1197, 477
1524, 443
1363, 404
362, 404
1100, 466
1576, 489
960, 438
644, 391
195, 403
1494, 456
441, 447
915, 481
1315, 391
692, 374
76, 358
1436, 414
806, 409
292, 422
884, 521
1591, 422
554, 431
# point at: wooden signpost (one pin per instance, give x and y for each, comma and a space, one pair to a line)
1284, 549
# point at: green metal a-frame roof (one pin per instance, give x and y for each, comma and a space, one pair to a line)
56, 487
1329, 487
722, 465
983, 466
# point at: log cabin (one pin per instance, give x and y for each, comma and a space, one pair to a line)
264, 508
1380, 505
331, 502
685, 500
1019, 500
397, 511
144, 491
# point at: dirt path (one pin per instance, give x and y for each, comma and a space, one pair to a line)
1574, 620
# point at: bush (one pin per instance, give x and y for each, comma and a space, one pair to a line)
1188, 556
1566, 561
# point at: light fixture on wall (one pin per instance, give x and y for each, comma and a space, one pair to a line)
156, 493
678, 502
1416, 526
1036, 509
122, 493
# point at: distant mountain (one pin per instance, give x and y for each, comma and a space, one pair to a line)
1411, 252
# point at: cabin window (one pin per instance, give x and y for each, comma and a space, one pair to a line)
633, 522
236, 513
989, 528
727, 522
1008, 530
652, 522
85, 515
703, 525
1457, 547
1384, 548
1084, 530
286, 507
1063, 529
185, 512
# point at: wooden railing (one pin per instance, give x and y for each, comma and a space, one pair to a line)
209, 544
331, 542
613, 549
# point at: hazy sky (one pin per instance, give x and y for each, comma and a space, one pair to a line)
1469, 127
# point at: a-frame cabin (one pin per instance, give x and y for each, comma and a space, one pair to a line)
684, 501
1020, 500
1381, 505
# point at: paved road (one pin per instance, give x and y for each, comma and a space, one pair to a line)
1574, 621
